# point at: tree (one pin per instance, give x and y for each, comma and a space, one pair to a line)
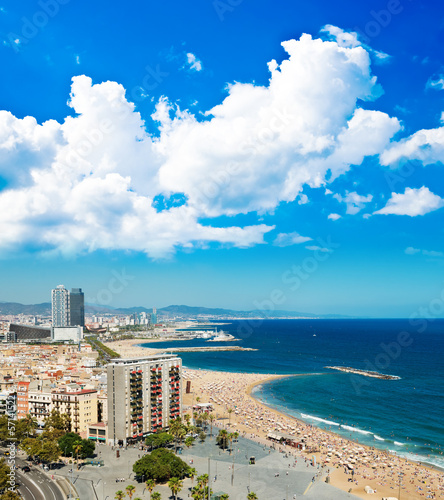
202, 436
189, 442
56, 425
150, 485
187, 418
252, 496
156, 496
222, 438
230, 411
119, 495
224, 497
4, 474
161, 465
177, 430
130, 490
175, 485
211, 418
25, 427
22, 428
72, 443
205, 419
10, 495
230, 438
159, 440
202, 480
192, 473
68, 442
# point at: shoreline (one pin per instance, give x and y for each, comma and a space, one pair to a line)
225, 390
420, 463
382, 480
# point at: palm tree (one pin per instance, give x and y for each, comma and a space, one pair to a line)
119, 495
187, 418
176, 429
175, 485
211, 418
202, 480
130, 490
205, 419
192, 473
224, 497
252, 496
197, 493
150, 485
156, 496
230, 411
230, 438
77, 449
222, 438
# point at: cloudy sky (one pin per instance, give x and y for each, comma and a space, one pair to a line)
226, 153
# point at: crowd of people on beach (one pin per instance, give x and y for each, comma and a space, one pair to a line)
363, 466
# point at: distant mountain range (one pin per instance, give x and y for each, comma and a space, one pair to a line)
14, 308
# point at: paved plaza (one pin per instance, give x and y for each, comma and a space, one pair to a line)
274, 476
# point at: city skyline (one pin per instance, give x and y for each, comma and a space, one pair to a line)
231, 156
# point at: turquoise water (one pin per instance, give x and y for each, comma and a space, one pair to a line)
405, 416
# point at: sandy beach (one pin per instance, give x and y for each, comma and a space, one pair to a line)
372, 467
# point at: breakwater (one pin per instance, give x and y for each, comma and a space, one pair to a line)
365, 373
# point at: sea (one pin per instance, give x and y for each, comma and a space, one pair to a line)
405, 416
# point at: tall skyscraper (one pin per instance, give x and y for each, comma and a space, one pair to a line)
154, 316
144, 394
77, 307
60, 307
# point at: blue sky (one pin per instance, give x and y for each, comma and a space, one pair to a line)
228, 153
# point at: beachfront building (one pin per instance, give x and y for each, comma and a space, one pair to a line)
144, 394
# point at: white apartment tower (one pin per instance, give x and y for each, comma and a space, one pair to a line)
144, 394
60, 307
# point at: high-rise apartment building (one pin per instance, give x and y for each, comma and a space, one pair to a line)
144, 394
77, 307
60, 307
154, 316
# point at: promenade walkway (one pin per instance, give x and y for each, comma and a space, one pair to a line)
275, 476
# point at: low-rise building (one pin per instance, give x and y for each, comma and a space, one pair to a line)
80, 405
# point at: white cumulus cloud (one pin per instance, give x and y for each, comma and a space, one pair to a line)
288, 239
436, 83
426, 253
94, 181
425, 145
354, 201
412, 202
193, 62
334, 216
350, 39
